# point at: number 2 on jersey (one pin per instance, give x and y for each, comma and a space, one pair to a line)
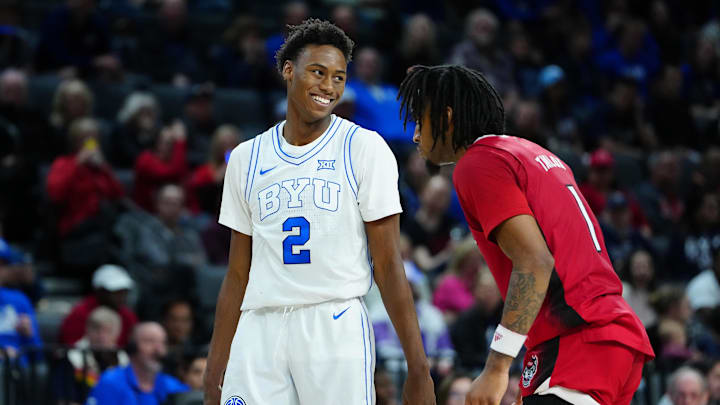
303, 255
585, 215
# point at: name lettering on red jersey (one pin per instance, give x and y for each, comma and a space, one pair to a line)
548, 162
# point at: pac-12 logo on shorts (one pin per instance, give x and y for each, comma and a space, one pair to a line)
235, 400
529, 371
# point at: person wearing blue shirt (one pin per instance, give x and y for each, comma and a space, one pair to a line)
376, 103
18, 325
142, 382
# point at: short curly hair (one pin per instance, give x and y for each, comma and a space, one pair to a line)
313, 32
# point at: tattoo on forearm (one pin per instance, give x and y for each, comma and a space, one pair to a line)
523, 301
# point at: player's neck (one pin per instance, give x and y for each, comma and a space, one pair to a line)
298, 131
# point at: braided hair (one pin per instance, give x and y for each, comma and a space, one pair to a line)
476, 107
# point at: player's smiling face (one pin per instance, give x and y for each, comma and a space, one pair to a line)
316, 81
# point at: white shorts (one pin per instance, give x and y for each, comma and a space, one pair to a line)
321, 354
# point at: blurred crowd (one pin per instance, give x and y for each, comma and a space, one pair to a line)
116, 117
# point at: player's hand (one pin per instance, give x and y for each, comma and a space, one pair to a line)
419, 389
488, 388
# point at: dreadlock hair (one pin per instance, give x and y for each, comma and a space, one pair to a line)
476, 107
312, 32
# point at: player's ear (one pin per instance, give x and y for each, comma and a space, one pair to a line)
450, 126
287, 70
449, 112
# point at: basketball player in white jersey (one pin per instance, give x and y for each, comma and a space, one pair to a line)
311, 202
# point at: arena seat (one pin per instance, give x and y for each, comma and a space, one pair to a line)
243, 108
171, 100
41, 90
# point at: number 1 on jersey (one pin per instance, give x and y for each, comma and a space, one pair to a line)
303, 255
585, 215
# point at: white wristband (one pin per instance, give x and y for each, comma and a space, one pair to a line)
507, 342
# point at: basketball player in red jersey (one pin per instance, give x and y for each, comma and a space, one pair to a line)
542, 243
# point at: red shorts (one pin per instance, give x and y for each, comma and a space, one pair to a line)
608, 371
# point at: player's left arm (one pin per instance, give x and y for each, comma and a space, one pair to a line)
384, 242
522, 242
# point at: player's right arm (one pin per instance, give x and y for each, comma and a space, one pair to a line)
227, 314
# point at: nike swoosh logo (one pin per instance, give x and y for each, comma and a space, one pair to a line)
266, 170
340, 314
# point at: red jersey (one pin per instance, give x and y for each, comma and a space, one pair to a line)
500, 177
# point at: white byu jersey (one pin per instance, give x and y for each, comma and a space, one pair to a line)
305, 208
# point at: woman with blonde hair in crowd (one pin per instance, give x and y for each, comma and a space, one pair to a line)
72, 100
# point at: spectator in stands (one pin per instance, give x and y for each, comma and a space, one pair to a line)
166, 50
453, 389
137, 130
19, 331
193, 368
15, 39
72, 100
704, 289
112, 285
480, 50
385, 387
660, 196
142, 382
669, 110
429, 229
636, 54
673, 317
559, 109
36, 143
204, 188
578, 65
713, 379
413, 178
472, 328
418, 46
455, 290
435, 336
75, 40
199, 119
375, 102
622, 237
23, 132
90, 356
526, 121
178, 320
17, 272
601, 183
294, 12
165, 163
693, 249
620, 119
527, 60
639, 284
161, 251
85, 194
241, 60
702, 85
687, 386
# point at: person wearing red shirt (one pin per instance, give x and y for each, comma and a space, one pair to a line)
204, 188
78, 183
166, 163
112, 284
542, 243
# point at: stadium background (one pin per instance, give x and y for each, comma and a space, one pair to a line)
105, 102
